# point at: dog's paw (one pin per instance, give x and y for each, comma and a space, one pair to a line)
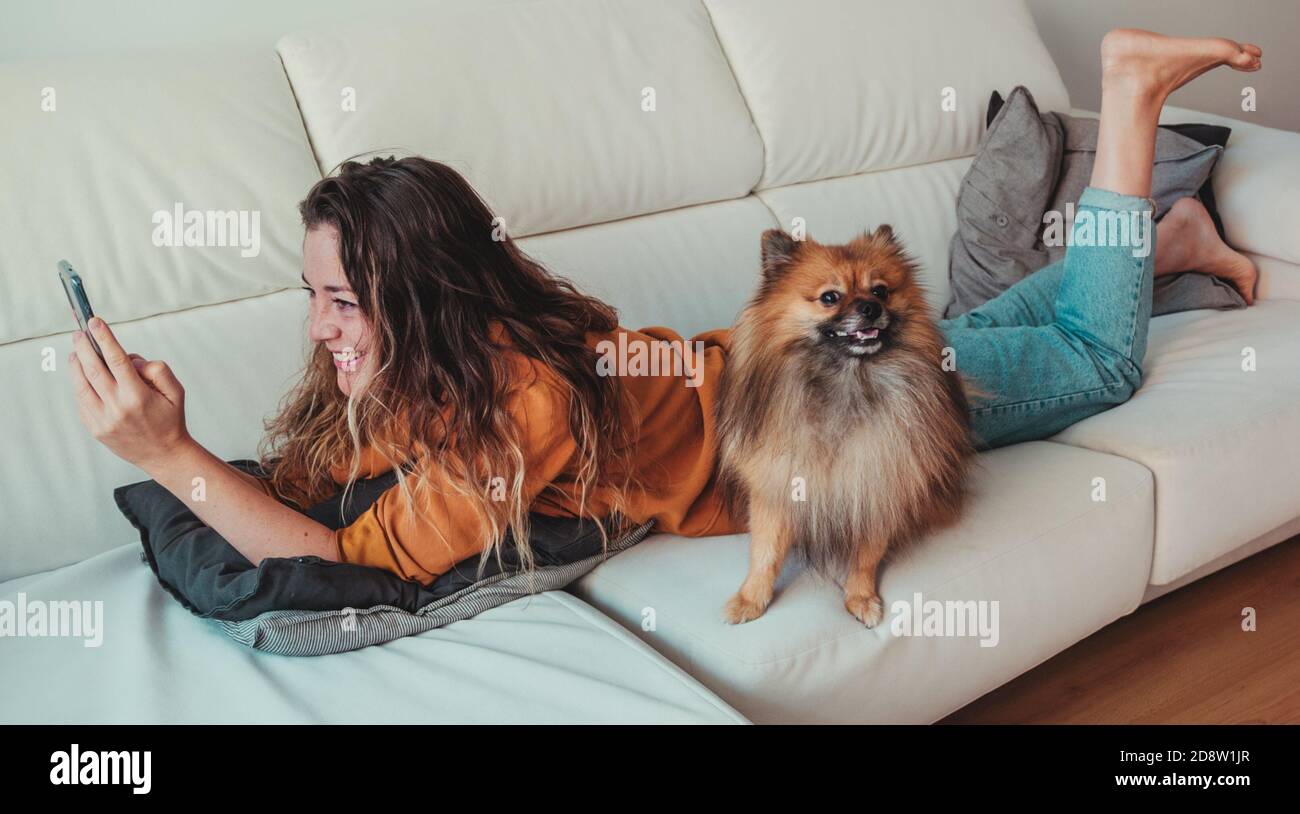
866, 609
740, 610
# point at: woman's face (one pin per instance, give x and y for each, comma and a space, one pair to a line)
336, 320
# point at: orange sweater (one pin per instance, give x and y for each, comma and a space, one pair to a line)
676, 451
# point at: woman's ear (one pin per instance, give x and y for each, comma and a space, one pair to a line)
778, 250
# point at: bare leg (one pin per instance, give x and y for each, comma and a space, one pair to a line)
1139, 69
1187, 241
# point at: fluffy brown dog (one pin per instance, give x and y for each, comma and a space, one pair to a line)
841, 432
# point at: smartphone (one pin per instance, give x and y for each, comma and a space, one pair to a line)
76, 291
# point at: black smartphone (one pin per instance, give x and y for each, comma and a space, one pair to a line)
76, 291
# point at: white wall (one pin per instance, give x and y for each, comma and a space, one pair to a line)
1073, 31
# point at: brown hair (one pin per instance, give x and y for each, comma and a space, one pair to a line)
433, 271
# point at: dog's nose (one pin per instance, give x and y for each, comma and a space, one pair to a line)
869, 308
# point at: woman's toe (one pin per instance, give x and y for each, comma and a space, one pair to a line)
1247, 57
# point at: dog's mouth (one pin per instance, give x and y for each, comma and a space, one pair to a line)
857, 336
855, 341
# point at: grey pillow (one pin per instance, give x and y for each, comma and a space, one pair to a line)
308, 606
1029, 163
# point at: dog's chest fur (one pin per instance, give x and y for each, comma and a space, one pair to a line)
849, 465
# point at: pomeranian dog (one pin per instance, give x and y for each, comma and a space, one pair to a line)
841, 434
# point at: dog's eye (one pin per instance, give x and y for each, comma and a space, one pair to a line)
830, 297
879, 292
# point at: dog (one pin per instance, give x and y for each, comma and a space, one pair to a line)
841, 433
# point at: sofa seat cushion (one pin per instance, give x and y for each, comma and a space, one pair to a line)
1222, 440
1059, 564
544, 658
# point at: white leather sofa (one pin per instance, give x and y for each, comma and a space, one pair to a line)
639, 148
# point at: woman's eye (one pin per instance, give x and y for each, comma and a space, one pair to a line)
830, 297
880, 292
343, 305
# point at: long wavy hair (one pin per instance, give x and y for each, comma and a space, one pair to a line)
432, 270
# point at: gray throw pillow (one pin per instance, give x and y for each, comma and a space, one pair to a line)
1030, 163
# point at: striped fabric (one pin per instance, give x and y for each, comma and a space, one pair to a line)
319, 633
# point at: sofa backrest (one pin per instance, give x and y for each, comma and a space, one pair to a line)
638, 148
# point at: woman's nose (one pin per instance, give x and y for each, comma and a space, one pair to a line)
320, 328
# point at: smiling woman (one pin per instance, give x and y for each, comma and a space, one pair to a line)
445, 355
448, 356
414, 309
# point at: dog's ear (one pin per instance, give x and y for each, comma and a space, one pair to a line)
779, 250
883, 232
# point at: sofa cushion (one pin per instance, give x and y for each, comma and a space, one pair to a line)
560, 113
547, 658
1059, 562
690, 269
1222, 440
104, 150
838, 88
916, 201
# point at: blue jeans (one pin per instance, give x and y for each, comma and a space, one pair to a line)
1067, 341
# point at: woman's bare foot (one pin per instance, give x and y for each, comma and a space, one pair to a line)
1139, 69
1151, 63
1187, 241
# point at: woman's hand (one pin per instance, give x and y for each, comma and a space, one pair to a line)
133, 406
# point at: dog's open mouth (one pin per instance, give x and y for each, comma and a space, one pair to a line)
858, 336
857, 341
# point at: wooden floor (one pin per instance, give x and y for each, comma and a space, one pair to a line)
1182, 658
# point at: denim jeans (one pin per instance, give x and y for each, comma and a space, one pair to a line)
1067, 341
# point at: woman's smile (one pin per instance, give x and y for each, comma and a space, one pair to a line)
347, 359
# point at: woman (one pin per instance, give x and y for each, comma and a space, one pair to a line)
445, 354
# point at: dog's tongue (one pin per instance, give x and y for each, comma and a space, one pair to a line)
870, 333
